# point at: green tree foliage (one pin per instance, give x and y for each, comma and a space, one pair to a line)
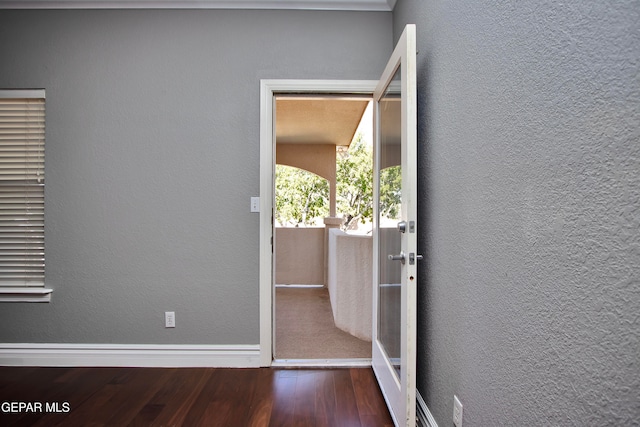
390, 192
354, 183
301, 196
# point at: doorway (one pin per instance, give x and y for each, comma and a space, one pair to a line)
270, 90
323, 206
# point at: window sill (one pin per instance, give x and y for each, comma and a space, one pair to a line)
35, 294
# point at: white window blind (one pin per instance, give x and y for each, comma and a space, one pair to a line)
22, 137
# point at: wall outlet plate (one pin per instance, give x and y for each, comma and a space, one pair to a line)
169, 319
255, 204
457, 411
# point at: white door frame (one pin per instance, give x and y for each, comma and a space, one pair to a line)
268, 88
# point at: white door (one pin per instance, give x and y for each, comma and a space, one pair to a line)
395, 229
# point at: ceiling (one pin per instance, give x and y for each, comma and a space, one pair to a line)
360, 5
318, 119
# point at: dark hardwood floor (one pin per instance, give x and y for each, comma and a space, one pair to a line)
190, 397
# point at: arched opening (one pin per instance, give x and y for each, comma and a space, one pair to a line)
301, 197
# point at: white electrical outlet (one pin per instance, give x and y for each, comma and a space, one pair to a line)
457, 411
169, 319
255, 204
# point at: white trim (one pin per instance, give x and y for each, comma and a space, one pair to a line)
423, 414
25, 294
321, 363
267, 148
22, 93
354, 5
130, 355
296, 286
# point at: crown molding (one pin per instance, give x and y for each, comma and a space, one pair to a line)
345, 5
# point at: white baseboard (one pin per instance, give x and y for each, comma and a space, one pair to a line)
130, 355
425, 419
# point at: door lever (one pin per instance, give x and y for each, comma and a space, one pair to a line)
400, 257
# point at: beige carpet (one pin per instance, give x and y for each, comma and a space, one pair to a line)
305, 328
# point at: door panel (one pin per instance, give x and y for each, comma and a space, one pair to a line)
395, 225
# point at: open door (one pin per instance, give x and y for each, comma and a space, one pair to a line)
394, 232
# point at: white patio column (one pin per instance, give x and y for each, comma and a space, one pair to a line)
329, 223
332, 195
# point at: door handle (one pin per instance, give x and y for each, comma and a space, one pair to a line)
400, 257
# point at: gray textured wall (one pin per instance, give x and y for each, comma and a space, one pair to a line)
152, 155
529, 141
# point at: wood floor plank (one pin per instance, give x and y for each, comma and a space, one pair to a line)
325, 399
19, 386
95, 408
141, 383
368, 396
373, 421
210, 392
72, 375
233, 386
146, 416
261, 402
284, 389
177, 401
346, 405
305, 399
162, 395
212, 406
76, 389
10, 375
